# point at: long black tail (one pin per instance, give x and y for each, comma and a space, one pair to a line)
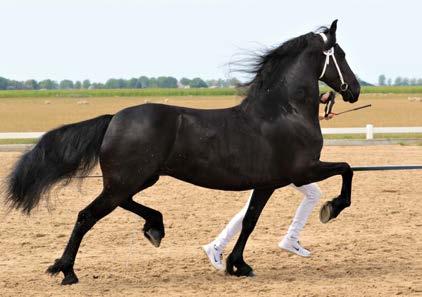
59, 155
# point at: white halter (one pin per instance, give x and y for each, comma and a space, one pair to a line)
330, 53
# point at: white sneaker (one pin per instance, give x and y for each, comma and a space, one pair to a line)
293, 245
214, 254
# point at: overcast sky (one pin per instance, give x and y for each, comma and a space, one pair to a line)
100, 39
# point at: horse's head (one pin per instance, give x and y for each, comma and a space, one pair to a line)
335, 70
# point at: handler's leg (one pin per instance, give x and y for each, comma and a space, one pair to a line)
290, 242
214, 249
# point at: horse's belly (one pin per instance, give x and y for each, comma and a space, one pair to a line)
237, 172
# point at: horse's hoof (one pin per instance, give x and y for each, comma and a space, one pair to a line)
70, 279
244, 270
325, 214
154, 236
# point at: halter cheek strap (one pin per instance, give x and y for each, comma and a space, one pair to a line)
330, 53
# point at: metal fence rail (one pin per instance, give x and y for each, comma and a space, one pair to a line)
386, 167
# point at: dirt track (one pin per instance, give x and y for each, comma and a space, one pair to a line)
373, 249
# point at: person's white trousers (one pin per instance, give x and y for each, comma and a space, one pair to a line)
311, 193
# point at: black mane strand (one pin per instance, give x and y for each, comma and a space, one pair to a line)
267, 68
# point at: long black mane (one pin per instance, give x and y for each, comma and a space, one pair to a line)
267, 67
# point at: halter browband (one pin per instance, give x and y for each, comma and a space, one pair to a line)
330, 53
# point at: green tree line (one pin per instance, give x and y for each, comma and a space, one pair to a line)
113, 83
399, 81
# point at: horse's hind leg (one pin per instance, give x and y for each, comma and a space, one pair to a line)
154, 226
104, 204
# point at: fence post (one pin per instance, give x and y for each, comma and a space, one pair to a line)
369, 131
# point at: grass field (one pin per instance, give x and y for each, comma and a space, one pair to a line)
118, 93
174, 92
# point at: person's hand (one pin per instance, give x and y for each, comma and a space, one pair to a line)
324, 97
329, 116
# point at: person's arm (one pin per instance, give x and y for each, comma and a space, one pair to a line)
324, 97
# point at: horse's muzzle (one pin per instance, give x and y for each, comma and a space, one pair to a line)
350, 93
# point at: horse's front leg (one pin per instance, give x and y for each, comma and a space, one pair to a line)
322, 170
235, 264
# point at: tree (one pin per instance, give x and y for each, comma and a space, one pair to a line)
3, 83
172, 82
144, 82
97, 86
398, 81
78, 85
133, 83
113, 83
389, 82
31, 84
185, 81
152, 83
15, 85
166, 82
66, 84
48, 84
198, 83
86, 84
381, 80
123, 83
405, 81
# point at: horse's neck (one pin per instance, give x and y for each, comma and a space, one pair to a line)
305, 98
292, 98
294, 94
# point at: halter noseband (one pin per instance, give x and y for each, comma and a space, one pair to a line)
330, 53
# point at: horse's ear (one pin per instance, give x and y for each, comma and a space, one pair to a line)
333, 27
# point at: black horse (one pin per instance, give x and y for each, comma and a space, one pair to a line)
273, 138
